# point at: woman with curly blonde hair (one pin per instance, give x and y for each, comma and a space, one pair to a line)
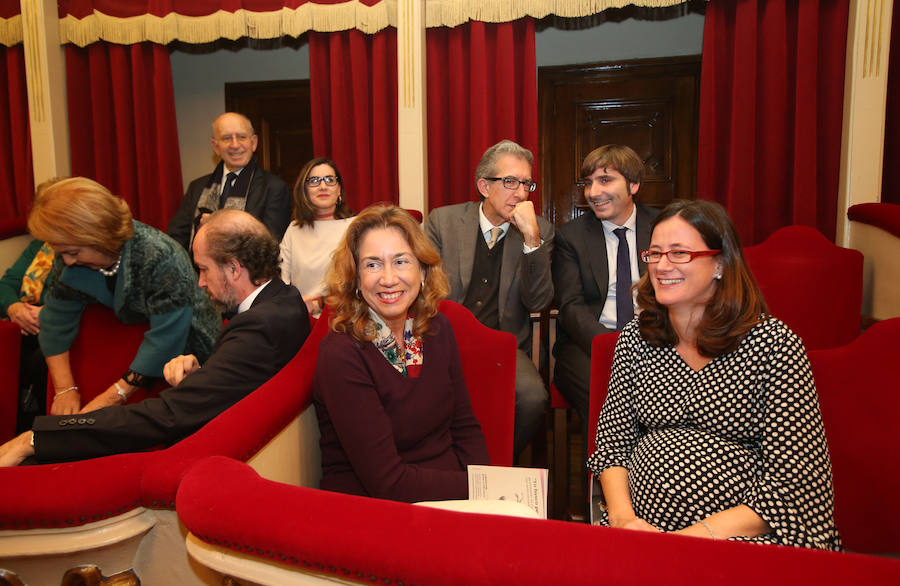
392, 403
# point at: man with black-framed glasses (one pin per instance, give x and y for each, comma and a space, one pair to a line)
595, 264
496, 253
237, 182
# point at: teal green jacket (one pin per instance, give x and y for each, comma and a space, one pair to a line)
156, 282
11, 283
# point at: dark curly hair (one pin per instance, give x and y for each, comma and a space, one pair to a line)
302, 211
737, 304
237, 235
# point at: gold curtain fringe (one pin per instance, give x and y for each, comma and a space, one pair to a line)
11, 31
316, 17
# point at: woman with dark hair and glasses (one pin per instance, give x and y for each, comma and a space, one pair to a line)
320, 217
711, 427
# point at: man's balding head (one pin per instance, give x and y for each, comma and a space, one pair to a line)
235, 235
234, 140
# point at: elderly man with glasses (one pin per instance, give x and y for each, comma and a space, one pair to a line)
496, 253
236, 183
595, 263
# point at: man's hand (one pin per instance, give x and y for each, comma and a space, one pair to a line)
179, 367
109, 397
524, 218
25, 316
15, 450
66, 403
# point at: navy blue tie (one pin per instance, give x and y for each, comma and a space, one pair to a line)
624, 301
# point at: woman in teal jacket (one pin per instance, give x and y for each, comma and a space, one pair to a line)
105, 256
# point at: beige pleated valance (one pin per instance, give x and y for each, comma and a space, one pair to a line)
83, 22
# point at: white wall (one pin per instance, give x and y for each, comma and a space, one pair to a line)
199, 84
613, 41
199, 80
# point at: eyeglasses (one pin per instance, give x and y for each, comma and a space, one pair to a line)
328, 179
228, 138
679, 257
512, 183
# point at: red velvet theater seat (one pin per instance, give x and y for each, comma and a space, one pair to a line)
859, 395
602, 349
10, 347
810, 284
489, 365
272, 533
118, 511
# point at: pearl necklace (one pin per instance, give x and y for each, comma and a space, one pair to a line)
113, 270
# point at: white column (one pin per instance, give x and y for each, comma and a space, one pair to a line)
46, 77
865, 95
411, 111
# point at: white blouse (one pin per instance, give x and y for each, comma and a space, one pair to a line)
306, 254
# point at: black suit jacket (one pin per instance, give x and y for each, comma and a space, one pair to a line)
581, 275
268, 199
253, 347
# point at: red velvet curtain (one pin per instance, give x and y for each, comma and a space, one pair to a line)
771, 102
122, 128
16, 173
890, 177
353, 87
482, 88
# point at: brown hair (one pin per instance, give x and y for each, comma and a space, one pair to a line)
736, 305
82, 212
302, 211
237, 235
350, 313
615, 156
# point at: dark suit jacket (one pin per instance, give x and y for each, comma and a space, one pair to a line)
581, 275
268, 199
253, 347
525, 281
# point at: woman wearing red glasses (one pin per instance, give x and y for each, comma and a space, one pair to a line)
711, 427
320, 217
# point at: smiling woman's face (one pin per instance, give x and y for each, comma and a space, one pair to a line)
323, 197
687, 285
389, 274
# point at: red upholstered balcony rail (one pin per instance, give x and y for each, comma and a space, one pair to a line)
385, 542
881, 215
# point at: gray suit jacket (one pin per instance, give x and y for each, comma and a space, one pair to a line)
581, 275
525, 281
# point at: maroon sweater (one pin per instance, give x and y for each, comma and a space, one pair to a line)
386, 436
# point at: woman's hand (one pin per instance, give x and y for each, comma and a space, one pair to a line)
25, 316
15, 450
633, 523
313, 305
66, 402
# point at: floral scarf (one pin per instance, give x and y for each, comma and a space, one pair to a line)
36, 274
387, 345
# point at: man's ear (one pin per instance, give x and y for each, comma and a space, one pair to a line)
482, 185
633, 188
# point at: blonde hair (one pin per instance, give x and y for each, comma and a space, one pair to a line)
82, 212
350, 313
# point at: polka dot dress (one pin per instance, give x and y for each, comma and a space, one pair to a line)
745, 429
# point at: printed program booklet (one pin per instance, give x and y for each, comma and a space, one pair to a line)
522, 485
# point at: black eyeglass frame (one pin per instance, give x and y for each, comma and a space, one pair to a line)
512, 183
315, 180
